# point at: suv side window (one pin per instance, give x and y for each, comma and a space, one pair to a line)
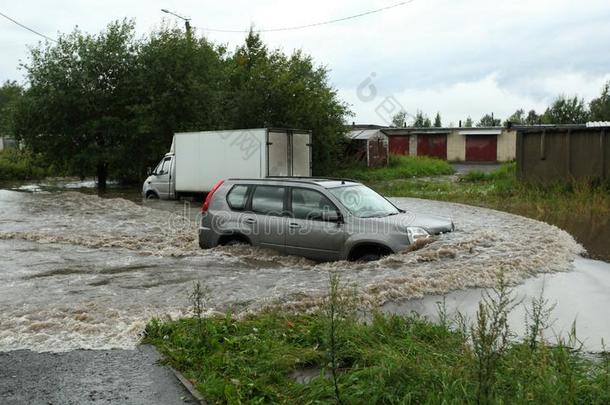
268, 200
238, 197
310, 204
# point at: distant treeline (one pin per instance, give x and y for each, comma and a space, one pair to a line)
108, 104
563, 110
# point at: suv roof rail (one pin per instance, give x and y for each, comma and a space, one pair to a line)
313, 178
299, 179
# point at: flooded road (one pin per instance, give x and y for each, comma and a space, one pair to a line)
80, 271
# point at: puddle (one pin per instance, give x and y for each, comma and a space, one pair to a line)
580, 297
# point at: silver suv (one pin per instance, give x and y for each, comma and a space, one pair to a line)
321, 219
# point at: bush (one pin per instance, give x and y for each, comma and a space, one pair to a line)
20, 165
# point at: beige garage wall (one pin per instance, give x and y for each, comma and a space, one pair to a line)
507, 145
413, 145
456, 147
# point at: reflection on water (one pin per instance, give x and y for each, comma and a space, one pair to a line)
579, 297
593, 233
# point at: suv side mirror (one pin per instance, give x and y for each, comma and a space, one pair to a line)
332, 216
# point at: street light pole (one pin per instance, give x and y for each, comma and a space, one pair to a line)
187, 21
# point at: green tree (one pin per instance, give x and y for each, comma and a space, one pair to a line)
183, 86
468, 122
76, 110
421, 120
437, 120
399, 120
271, 89
488, 120
566, 111
600, 107
517, 118
93, 100
10, 94
532, 118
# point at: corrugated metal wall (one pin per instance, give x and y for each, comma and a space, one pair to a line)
563, 153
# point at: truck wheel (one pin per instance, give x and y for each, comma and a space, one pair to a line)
151, 195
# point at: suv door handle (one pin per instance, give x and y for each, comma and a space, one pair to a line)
294, 226
250, 220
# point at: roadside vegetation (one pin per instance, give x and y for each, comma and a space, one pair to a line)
399, 167
21, 165
582, 208
334, 356
501, 189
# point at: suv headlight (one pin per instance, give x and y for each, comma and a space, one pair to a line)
415, 233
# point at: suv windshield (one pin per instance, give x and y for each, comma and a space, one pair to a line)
363, 202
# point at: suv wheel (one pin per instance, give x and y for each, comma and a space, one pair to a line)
369, 257
234, 241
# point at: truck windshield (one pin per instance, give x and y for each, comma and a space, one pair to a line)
363, 202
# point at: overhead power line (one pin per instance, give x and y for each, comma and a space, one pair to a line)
27, 28
299, 27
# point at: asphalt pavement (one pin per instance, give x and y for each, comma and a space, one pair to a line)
89, 377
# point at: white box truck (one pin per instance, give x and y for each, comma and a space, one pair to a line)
197, 160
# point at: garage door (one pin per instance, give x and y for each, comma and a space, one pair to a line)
432, 145
399, 145
481, 148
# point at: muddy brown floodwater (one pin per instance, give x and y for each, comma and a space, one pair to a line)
80, 271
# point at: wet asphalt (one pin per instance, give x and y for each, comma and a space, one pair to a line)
89, 377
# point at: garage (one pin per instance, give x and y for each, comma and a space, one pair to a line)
432, 145
399, 145
481, 148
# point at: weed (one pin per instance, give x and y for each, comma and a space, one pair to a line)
197, 298
490, 337
537, 319
441, 311
333, 309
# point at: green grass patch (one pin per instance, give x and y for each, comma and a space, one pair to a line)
388, 359
507, 171
501, 190
399, 167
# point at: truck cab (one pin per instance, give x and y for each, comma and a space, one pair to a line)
160, 183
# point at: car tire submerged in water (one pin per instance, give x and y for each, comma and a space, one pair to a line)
369, 257
151, 195
235, 241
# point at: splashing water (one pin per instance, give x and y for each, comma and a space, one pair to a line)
79, 271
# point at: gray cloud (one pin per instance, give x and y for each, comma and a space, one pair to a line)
433, 53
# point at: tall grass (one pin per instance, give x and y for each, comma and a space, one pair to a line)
399, 167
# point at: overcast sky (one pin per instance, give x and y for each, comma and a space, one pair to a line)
459, 57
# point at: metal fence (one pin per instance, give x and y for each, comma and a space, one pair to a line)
563, 153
